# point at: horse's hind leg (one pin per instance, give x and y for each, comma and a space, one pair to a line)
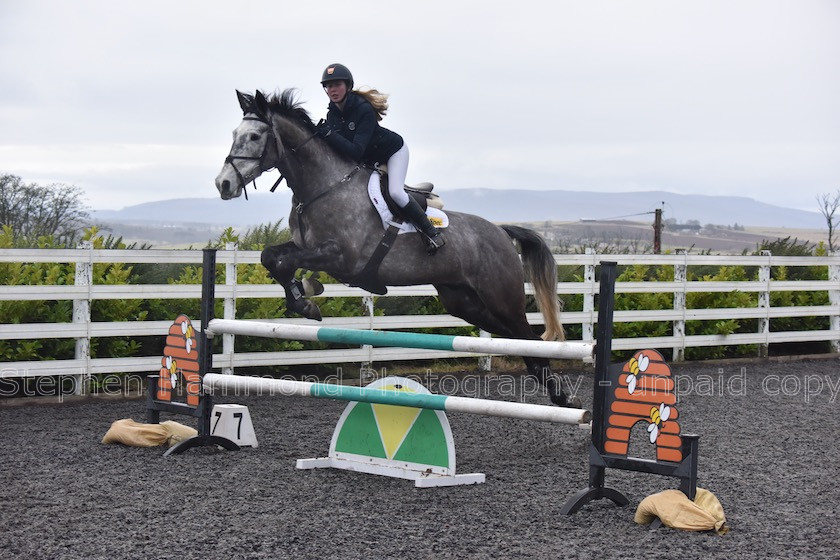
465, 303
541, 369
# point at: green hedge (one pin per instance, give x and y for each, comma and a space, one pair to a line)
139, 310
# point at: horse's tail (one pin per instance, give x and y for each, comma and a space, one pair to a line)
541, 270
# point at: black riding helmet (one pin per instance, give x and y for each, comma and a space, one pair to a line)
337, 72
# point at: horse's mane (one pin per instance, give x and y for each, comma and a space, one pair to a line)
286, 104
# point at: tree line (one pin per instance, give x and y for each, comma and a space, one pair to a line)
33, 211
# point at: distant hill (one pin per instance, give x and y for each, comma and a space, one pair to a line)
261, 208
497, 205
529, 206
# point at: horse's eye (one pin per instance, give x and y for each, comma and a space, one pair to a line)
254, 137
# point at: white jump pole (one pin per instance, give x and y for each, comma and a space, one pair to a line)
284, 387
503, 346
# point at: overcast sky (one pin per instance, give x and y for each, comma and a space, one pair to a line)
135, 101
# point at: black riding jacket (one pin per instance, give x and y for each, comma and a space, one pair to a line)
357, 134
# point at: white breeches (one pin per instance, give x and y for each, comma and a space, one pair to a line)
397, 170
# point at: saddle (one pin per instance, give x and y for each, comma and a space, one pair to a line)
368, 278
421, 192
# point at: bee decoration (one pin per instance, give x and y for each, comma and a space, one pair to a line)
658, 416
172, 370
189, 334
636, 367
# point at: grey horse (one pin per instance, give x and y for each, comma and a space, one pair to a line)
335, 228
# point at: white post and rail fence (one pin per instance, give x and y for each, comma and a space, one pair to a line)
83, 292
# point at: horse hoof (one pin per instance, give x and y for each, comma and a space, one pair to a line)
311, 311
304, 308
312, 287
566, 402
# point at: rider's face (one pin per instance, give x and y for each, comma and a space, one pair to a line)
336, 90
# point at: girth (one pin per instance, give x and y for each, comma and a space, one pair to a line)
368, 277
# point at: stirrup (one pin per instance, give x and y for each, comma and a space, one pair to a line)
434, 242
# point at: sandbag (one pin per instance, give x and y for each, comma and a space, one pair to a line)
135, 434
675, 510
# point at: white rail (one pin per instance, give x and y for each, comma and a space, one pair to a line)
83, 329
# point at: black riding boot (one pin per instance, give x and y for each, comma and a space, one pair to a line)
415, 214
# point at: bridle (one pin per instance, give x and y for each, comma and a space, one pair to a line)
299, 208
231, 159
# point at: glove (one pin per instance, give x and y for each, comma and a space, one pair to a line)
323, 129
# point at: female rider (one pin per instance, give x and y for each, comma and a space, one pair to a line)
352, 128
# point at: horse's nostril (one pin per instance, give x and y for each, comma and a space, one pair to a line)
225, 185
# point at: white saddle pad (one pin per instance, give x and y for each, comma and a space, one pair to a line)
438, 217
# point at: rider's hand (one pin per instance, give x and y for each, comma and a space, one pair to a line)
323, 129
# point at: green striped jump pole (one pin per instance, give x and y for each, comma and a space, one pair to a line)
240, 384
500, 346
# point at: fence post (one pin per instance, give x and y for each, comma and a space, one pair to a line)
485, 363
229, 340
764, 303
81, 314
834, 300
367, 374
588, 326
680, 276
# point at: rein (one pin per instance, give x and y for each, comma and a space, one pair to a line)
301, 206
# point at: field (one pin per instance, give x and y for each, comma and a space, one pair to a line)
637, 237
566, 237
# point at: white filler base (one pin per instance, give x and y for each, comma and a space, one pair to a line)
421, 479
233, 421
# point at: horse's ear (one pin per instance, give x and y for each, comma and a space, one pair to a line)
261, 104
246, 101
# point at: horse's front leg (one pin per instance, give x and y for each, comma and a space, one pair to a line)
282, 261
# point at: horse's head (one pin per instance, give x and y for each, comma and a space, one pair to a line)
260, 140
254, 148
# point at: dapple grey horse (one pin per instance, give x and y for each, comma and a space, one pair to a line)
335, 228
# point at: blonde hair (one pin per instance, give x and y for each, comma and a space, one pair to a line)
377, 99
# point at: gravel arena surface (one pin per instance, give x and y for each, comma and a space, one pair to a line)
768, 451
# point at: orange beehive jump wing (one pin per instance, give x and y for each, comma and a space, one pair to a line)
644, 392
180, 362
